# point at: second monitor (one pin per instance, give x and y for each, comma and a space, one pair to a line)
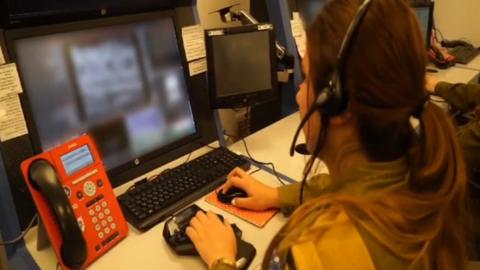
241, 65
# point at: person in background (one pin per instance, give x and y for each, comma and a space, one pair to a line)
464, 98
394, 198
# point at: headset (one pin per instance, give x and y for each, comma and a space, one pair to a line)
332, 99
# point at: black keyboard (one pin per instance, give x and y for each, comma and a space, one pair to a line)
464, 54
150, 202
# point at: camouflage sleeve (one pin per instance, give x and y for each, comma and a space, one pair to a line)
463, 97
290, 194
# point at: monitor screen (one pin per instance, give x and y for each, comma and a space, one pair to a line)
424, 17
122, 83
241, 63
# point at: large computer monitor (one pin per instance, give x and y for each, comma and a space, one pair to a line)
122, 80
242, 67
424, 13
32, 12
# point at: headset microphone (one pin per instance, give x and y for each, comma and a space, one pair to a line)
321, 99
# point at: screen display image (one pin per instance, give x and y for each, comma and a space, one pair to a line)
423, 14
77, 160
242, 63
124, 84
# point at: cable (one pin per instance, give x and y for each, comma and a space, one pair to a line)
255, 171
188, 158
20, 237
257, 161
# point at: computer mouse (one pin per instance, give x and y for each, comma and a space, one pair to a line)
231, 194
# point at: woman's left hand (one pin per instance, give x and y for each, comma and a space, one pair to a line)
212, 238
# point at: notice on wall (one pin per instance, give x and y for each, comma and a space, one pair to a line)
194, 42
298, 33
12, 121
9, 80
197, 66
2, 59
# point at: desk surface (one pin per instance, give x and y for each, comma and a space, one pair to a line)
456, 75
474, 64
149, 251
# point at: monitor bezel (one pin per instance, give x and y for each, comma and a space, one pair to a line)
245, 99
138, 166
430, 5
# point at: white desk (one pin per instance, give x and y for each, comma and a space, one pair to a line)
272, 144
474, 64
456, 75
149, 250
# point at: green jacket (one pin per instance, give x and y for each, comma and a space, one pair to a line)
464, 98
359, 246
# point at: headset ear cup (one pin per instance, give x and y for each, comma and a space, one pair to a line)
329, 99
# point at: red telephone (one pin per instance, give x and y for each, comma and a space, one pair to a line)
75, 202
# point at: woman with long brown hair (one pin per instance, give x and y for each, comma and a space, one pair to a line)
394, 198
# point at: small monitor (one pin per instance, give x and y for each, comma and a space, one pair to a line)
424, 13
242, 68
122, 80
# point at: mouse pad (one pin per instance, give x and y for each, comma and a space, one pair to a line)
256, 218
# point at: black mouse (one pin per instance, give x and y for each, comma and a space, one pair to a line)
231, 194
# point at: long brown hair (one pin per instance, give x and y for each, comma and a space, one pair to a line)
384, 76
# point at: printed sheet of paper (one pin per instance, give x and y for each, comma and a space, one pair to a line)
194, 42
2, 59
298, 33
197, 66
12, 121
9, 80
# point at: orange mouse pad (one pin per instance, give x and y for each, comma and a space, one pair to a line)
256, 218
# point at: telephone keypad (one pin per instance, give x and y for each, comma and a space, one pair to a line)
101, 216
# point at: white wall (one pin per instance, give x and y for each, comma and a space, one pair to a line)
459, 19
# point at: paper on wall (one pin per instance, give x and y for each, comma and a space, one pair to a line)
298, 33
197, 66
2, 59
194, 42
12, 121
9, 80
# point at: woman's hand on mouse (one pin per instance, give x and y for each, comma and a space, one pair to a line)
260, 197
212, 238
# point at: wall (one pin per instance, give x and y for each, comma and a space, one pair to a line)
459, 19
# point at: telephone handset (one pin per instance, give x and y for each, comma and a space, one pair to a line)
75, 202
44, 178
